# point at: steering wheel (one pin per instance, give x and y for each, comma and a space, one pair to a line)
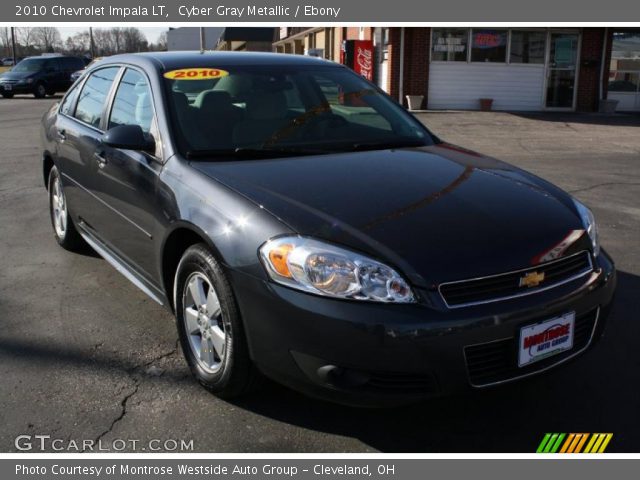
318, 126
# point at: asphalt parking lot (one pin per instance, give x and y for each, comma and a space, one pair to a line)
85, 355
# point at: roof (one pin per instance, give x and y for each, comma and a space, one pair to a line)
175, 60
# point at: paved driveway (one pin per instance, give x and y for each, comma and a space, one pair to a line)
85, 355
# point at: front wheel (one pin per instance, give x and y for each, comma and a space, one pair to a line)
40, 91
210, 328
63, 228
7, 94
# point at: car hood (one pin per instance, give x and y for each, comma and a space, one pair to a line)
16, 75
437, 213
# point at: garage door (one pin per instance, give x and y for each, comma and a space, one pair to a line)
461, 85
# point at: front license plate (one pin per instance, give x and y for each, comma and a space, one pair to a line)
545, 339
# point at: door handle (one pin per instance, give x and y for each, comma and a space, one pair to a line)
101, 159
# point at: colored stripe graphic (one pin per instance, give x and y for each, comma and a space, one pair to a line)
543, 443
604, 445
574, 443
556, 445
581, 443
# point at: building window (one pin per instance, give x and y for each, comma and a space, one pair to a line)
450, 44
527, 47
385, 36
624, 75
489, 46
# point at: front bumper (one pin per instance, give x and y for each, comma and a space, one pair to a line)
16, 88
367, 353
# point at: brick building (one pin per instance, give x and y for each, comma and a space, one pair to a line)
525, 69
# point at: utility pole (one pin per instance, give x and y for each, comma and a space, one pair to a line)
13, 46
202, 40
91, 44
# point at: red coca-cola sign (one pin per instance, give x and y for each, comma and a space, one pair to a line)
363, 63
358, 55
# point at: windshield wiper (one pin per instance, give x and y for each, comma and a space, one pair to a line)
253, 153
363, 146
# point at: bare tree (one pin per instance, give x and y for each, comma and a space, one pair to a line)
117, 38
5, 40
134, 40
48, 38
161, 44
78, 44
25, 36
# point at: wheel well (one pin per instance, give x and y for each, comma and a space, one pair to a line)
47, 165
175, 246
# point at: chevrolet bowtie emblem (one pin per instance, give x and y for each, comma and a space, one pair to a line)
531, 279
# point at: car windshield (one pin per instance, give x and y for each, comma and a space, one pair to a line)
265, 111
30, 65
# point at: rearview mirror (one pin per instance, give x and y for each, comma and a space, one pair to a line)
129, 137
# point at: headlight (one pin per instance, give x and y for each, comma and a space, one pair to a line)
29, 80
589, 222
317, 267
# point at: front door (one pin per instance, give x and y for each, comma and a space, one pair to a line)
562, 71
126, 181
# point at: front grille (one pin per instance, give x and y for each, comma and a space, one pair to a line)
507, 285
494, 362
401, 383
383, 382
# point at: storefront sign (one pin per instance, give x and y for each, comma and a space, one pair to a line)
489, 39
449, 44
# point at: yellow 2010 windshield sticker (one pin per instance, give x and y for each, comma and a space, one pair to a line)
196, 74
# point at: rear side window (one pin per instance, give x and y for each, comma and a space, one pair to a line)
53, 65
93, 95
132, 103
67, 104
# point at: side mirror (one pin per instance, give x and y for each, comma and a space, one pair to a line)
129, 137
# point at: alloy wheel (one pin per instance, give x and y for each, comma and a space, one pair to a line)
59, 205
203, 322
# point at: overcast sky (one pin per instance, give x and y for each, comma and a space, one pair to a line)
152, 33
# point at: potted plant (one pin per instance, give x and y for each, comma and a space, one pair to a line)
608, 106
486, 104
415, 101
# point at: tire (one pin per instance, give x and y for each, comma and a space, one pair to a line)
64, 230
40, 91
7, 94
210, 327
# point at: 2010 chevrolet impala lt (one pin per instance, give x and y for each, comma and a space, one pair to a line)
303, 226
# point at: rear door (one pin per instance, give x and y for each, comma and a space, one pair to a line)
79, 130
127, 180
51, 73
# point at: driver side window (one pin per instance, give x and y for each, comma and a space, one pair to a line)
132, 104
